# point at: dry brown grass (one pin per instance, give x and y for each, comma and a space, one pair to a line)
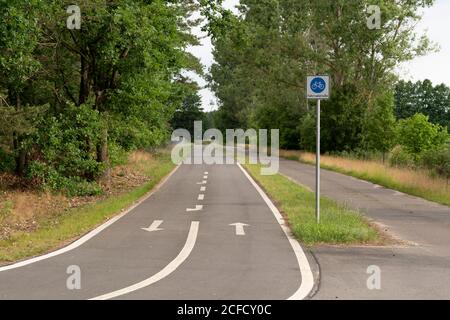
415, 182
21, 208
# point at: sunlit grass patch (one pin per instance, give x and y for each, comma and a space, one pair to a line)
339, 225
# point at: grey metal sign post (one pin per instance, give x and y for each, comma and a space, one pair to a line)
318, 87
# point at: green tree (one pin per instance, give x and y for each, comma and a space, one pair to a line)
422, 97
19, 37
264, 54
417, 134
380, 126
190, 111
118, 79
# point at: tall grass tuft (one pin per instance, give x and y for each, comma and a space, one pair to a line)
416, 182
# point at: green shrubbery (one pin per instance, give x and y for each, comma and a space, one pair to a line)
63, 151
73, 103
6, 161
422, 144
399, 157
49, 179
417, 135
419, 144
438, 161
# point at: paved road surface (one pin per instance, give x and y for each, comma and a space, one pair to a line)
197, 255
419, 270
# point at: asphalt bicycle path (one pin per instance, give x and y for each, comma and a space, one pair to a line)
206, 233
418, 268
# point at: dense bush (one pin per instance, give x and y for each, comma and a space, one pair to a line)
308, 132
49, 179
6, 161
399, 157
438, 161
67, 142
417, 135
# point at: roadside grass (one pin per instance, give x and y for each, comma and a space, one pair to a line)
339, 225
414, 182
59, 230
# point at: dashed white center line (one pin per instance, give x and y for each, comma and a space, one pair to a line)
201, 197
206, 172
203, 182
205, 177
203, 189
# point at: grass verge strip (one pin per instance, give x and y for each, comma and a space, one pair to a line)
339, 225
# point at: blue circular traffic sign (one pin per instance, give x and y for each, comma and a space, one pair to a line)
318, 85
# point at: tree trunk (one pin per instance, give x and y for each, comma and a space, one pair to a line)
84, 81
21, 155
103, 157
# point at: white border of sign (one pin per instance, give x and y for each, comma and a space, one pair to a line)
325, 94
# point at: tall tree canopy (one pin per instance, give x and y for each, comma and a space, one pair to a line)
423, 97
264, 54
72, 96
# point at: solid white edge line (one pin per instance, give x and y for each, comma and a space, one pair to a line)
171, 267
92, 233
307, 280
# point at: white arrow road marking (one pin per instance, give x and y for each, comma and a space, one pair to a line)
154, 226
201, 197
171, 267
91, 234
239, 228
203, 182
307, 277
202, 189
197, 208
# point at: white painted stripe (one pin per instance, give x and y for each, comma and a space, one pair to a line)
154, 226
203, 182
202, 189
197, 208
201, 197
205, 177
307, 278
206, 172
171, 267
91, 234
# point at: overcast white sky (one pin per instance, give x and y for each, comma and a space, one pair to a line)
435, 66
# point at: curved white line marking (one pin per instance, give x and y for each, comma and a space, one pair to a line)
171, 267
307, 281
89, 235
